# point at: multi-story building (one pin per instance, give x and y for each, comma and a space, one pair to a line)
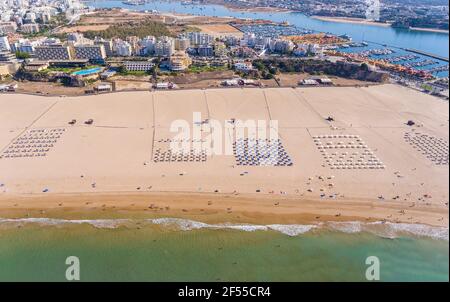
23, 45
4, 44
308, 49
122, 48
182, 43
6, 56
77, 38
134, 42
220, 49
30, 17
219, 62
249, 40
7, 27
107, 44
281, 46
231, 40
53, 52
198, 38
243, 66
36, 66
262, 42
30, 28
147, 45
205, 51
138, 65
164, 47
50, 41
179, 61
91, 52
45, 17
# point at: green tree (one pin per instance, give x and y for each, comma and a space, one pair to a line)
22, 55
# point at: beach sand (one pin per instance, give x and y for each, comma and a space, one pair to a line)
350, 20
108, 167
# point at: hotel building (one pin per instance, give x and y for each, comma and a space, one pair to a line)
138, 65
53, 52
90, 52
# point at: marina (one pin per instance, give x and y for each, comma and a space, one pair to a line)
364, 37
427, 54
398, 56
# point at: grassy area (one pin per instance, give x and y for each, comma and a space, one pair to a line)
190, 28
198, 69
148, 28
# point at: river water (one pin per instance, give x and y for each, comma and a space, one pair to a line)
435, 43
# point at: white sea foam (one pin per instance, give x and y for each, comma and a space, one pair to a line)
390, 229
382, 229
187, 225
98, 223
292, 229
181, 224
416, 229
345, 227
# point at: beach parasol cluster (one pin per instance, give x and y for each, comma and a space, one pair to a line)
33, 143
346, 151
433, 148
260, 152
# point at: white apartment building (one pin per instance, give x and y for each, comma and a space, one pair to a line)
147, 45
4, 44
248, 40
122, 48
77, 38
198, 38
30, 28
164, 47
138, 65
243, 66
7, 27
182, 44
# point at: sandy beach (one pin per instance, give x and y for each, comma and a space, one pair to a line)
433, 30
110, 167
368, 22
350, 20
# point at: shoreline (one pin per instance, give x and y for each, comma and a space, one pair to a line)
432, 30
366, 22
349, 20
217, 208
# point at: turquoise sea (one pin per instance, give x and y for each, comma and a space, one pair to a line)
37, 252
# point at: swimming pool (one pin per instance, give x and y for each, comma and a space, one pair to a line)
86, 72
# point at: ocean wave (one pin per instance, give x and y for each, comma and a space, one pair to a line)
379, 228
186, 225
390, 229
98, 223
292, 229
